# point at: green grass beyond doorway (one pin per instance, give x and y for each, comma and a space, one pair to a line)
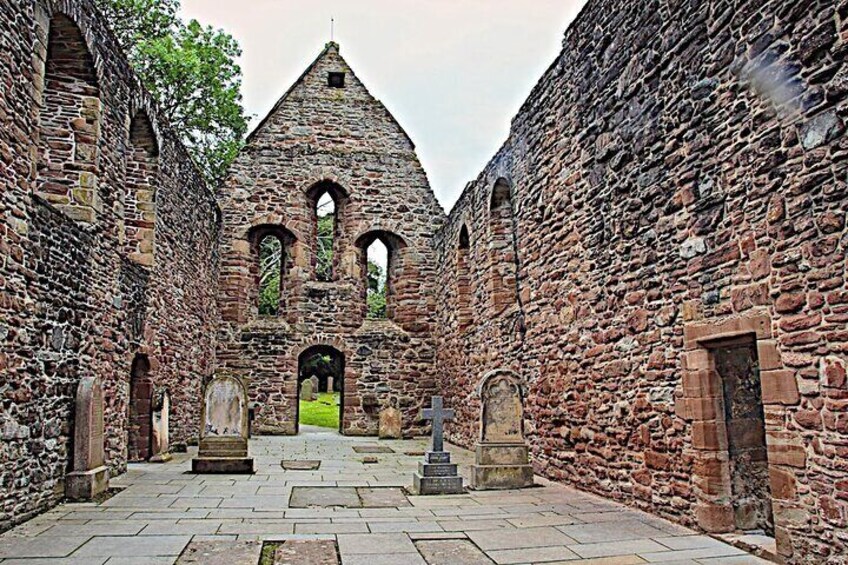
323, 412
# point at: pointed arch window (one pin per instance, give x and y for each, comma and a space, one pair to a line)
381, 262
69, 124
502, 257
327, 200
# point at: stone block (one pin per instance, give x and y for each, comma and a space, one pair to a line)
779, 387
86, 485
783, 483
715, 519
222, 465
437, 485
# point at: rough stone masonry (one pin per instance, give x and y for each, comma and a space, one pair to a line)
658, 250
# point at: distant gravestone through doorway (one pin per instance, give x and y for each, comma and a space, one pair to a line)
321, 370
141, 409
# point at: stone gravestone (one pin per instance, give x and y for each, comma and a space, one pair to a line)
436, 474
330, 383
223, 430
306, 390
161, 413
315, 384
390, 423
501, 456
90, 476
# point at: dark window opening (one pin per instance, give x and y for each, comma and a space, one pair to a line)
336, 80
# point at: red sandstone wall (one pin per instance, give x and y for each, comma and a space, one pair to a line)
317, 133
72, 302
679, 166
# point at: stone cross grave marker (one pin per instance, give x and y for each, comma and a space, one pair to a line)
438, 415
436, 474
90, 476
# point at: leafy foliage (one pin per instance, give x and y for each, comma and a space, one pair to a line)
326, 227
191, 71
270, 270
376, 297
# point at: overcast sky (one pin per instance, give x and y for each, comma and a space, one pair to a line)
453, 72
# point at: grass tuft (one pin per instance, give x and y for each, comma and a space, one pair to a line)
323, 412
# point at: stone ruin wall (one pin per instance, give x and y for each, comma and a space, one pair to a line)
677, 175
84, 297
341, 135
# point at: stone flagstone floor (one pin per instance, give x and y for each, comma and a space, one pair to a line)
163, 508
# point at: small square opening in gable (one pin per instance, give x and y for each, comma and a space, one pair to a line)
336, 80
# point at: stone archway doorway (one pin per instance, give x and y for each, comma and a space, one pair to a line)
140, 409
324, 366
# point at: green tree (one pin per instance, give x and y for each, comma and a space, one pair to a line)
376, 297
191, 72
270, 263
326, 225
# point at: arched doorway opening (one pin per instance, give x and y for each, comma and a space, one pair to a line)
324, 367
140, 416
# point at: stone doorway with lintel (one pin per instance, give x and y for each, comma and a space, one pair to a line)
325, 366
734, 386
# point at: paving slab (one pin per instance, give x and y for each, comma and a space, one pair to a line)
531, 555
520, 538
351, 544
128, 546
405, 527
610, 531
382, 497
384, 559
307, 552
306, 497
50, 546
300, 464
207, 552
451, 552
372, 449
624, 547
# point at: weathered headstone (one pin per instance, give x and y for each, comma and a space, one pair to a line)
436, 474
501, 456
223, 432
390, 423
161, 413
306, 391
315, 386
330, 382
90, 476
